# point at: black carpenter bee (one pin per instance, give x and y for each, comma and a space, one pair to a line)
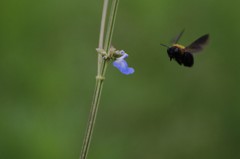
183, 55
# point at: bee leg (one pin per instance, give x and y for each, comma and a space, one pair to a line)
179, 61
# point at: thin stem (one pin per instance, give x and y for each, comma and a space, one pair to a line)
102, 66
111, 23
108, 39
92, 118
101, 36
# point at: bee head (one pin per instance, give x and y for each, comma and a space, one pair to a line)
173, 52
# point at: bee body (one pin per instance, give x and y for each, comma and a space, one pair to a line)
183, 55
178, 53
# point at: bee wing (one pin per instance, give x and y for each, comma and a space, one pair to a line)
198, 44
176, 39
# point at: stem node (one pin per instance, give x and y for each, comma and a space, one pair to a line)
101, 78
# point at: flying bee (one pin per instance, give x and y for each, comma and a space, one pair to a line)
183, 55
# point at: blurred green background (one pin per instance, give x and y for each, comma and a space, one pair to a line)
47, 77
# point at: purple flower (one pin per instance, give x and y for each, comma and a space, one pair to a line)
122, 65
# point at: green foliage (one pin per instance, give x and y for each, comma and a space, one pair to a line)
48, 67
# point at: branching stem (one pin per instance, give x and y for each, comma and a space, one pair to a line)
102, 66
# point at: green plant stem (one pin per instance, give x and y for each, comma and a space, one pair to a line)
92, 118
112, 18
102, 64
101, 36
108, 39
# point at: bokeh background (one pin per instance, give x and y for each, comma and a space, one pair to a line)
47, 75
